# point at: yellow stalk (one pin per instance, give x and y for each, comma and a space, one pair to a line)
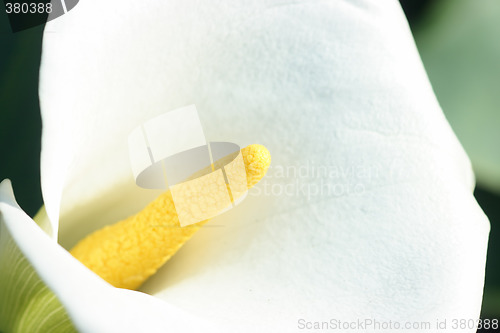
126, 253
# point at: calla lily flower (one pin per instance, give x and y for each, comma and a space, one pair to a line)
367, 211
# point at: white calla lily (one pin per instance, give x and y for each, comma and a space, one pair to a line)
367, 211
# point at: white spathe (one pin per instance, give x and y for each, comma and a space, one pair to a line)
93, 304
367, 211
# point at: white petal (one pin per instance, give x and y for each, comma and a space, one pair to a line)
26, 303
93, 305
389, 231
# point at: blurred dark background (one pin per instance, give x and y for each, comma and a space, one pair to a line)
20, 125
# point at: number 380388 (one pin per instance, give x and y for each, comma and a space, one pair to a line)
27, 8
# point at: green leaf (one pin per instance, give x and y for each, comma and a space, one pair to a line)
26, 303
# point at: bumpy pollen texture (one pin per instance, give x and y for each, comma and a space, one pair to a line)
125, 254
